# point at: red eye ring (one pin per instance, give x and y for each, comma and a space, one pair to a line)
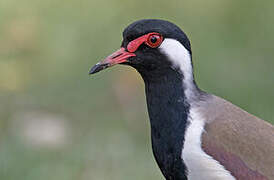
154, 40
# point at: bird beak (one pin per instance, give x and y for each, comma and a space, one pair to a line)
120, 56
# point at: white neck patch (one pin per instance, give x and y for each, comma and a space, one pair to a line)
180, 58
199, 165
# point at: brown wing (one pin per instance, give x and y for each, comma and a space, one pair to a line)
241, 142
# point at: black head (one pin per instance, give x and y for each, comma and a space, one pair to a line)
165, 28
141, 47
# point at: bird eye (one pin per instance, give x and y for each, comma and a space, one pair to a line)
154, 40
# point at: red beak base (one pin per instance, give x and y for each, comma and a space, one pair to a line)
117, 57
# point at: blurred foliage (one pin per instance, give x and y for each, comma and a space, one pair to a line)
58, 123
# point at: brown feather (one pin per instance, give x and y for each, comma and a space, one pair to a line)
241, 142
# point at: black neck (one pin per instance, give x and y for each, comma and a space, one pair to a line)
168, 111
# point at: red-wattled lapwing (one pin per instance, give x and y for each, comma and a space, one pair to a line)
195, 135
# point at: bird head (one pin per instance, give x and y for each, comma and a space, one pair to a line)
153, 47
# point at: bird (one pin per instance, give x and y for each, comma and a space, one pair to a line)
195, 135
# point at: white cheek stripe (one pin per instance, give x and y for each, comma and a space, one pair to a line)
180, 58
199, 164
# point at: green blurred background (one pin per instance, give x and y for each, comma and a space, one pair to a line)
59, 123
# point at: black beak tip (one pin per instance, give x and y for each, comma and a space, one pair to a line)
98, 67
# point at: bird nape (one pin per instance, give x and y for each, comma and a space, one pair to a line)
195, 135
